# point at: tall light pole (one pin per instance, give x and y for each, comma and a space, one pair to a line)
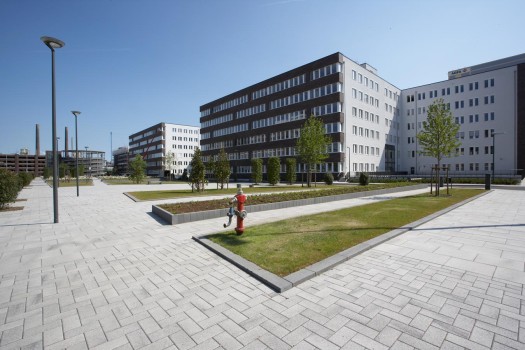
76, 113
53, 44
494, 152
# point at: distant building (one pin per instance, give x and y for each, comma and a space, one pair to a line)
23, 162
165, 140
121, 161
93, 162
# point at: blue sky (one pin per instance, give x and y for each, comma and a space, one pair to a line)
129, 64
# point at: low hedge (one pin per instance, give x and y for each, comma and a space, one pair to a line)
189, 207
11, 184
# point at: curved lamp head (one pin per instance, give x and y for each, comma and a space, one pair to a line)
52, 43
75, 113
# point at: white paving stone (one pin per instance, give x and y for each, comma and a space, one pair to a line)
112, 275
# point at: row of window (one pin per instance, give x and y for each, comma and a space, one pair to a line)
184, 147
475, 102
251, 140
364, 80
301, 168
474, 118
278, 119
230, 130
364, 167
189, 139
446, 91
328, 70
217, 145
327, 109
285, 135
364, 132
251, 111
185, 131
391, 94
359, 95
374, 118
218, 120
364, 149
283, 85
306, 95
474, 151
229, 104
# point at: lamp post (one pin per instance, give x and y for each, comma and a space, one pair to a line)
76, 113
494, 152
53, 44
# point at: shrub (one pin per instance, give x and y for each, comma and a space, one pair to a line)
274, 170
9, 187
25, 179
364, 180
257, 167
47, 173
328, 179
291, 174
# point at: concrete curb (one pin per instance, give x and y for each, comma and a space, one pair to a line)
281, 284
174, 219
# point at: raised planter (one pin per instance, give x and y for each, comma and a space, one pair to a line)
174, 219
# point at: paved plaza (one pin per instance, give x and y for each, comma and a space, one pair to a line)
111, 275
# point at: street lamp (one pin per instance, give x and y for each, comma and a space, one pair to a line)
76, 113
494, 152
53, 44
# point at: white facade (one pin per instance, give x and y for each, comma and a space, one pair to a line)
482, 104
371, 120
156, 142
182, 140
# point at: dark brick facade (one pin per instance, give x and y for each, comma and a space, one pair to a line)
521, 120
306, 105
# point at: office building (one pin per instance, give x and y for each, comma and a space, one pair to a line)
372, 123
359, 109
164, 141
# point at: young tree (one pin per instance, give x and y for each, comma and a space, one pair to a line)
169, 163
222, 168
274, 170
197, 175
138, 169
291, 173
210, 168
312, 144
438, 137
257, 167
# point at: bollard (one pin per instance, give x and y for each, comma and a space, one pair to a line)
487, 181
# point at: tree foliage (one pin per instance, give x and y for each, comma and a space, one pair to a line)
222, 168
438, 137
138, 169
197, 178
312, 144
257, 173
9, 187
169, 162
291, 172
274, 170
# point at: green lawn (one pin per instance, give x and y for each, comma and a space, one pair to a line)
126, 181
289, 245
170, 194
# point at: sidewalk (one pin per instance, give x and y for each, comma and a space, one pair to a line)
110, 275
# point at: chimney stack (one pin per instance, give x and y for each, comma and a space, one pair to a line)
37, 139
66, 143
